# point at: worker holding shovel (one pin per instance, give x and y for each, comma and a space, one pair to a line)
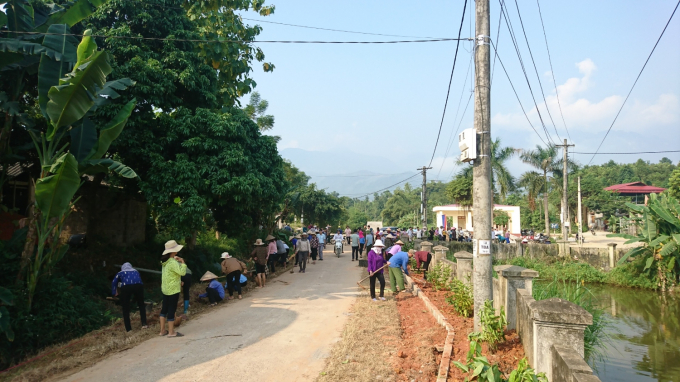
376, 263
399, 260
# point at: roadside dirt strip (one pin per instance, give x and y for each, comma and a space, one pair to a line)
283, 332
443, 373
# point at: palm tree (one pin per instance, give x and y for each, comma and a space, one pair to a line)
500, 175
543, 159
533, 184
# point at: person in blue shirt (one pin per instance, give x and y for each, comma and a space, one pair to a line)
126, 284
215, 291
243, 280
322, 244
398, 262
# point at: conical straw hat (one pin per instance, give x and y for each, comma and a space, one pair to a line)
208, 276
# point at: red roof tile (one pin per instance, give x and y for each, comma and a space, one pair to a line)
634, 188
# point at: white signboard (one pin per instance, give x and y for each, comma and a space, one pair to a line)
485, 247
474, 247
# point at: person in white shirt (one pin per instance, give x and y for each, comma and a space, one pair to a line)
419, 234
409, 232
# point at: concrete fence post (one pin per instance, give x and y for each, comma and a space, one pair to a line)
464, 268
511, 278
613, 258
439, 253
426, 246
556, 322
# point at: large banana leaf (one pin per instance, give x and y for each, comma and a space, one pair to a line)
648, 228
94, 166
665, 214
54, 67
76, 12
70, 101
10, 45
83, 139
108, 92
632, 252
53, 193
19, 16
86, 48
111, 131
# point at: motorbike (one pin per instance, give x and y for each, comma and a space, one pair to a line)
338, 247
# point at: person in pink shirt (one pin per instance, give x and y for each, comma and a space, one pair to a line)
272, 251
394, 249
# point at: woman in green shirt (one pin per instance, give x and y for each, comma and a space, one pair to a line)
171, 284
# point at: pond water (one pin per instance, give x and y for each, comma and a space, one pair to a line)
645, 335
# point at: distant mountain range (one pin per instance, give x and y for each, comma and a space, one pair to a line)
350, 174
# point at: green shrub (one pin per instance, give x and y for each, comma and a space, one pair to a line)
439, 276
482, 370
60, 311
524, 373
461, 298
493, 327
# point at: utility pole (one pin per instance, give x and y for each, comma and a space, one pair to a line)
580, 213
481, 171
565, 189
423, 196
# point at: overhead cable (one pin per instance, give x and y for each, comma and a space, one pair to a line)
636, 80
386, 188
629, 153
243, 41
552, 72
455, 57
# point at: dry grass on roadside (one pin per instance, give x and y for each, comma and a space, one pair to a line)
368, 345
97, 345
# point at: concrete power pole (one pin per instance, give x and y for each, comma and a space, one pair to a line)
580, 213
481, 187
423, 196
565, 193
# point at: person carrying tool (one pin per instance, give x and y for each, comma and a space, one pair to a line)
398, 262
171, 284
233, 268
375, 262
260, 254
214, 291
130, 285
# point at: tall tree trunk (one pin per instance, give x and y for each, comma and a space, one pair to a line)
545, 203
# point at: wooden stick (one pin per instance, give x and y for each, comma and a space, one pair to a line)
359, 282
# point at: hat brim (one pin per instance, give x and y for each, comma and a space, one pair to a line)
173, 249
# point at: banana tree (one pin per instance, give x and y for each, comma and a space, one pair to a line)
659, 226
69, 99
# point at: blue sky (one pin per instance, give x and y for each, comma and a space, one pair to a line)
387, 100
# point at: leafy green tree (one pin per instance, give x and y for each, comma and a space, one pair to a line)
460, 190
500, 175
533, 183
659, 226
400, 204
256, 110
674, 184
357, 218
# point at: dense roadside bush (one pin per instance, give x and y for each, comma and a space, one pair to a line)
461, 298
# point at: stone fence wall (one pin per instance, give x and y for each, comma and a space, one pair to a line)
551, 330
601, 258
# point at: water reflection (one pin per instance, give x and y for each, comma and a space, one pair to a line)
645, 331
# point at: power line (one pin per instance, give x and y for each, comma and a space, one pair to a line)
516, 95
630, 153
538, 77
636, 80
455, 118
508, 23
383, 189
349, 176
455, 57
552, 72
242, 41
334, 30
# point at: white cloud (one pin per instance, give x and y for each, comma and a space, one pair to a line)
585, 115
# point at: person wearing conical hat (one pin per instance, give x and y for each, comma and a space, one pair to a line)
375, 262
302, 250
214, 291
261, 255
233, 268
271, 252
171, 284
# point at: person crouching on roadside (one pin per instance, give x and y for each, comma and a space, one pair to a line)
214, 291
171, 284
398, 262
130, 285
260, 254
423, 257
375, 262
233, 268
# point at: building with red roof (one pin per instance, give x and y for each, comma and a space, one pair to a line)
635, 189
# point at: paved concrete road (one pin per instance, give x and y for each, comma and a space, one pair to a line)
285, 332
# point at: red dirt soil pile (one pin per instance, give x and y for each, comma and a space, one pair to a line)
506, 357
417, 357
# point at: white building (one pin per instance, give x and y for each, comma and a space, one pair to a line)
463, 216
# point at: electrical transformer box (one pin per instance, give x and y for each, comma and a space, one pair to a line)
467, 141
